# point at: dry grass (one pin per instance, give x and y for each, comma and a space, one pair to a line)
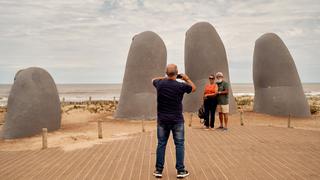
246, 102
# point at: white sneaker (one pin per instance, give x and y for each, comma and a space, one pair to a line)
183, 174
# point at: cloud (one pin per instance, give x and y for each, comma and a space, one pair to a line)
94, 36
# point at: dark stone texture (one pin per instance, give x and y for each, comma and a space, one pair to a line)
147, 59
278, 89
204, 55
33, 104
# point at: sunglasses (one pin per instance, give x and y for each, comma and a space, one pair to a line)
211, 78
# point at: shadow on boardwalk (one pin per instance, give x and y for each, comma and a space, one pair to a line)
250, 152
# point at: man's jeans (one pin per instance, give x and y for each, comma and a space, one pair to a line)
163, 133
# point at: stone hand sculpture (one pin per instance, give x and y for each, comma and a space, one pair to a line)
147, 59
204, 55
278, 90
33, 104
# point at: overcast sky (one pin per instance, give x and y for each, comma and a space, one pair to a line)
87, 41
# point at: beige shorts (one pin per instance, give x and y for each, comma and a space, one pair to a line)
223, 108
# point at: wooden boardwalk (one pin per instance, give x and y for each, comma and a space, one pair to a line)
249, 152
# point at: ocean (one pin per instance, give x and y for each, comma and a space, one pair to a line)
82, 92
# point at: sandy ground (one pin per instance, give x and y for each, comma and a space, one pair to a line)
79, 129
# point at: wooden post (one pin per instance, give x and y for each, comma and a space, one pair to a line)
44, 138
114, 102
241, 117
89, 99
142, 124
289, 121
190, 121
99, 129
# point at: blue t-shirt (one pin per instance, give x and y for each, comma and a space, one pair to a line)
169, 97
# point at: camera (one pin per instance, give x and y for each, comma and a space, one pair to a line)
179, 76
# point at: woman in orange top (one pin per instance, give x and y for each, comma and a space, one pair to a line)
210, 102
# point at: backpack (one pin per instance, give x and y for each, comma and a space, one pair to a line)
201, 112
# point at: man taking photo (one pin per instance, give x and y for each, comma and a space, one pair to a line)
169, 116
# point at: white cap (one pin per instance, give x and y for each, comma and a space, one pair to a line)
219, 74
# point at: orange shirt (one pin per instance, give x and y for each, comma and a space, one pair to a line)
210, 89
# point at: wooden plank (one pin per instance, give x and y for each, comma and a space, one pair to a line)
244, 152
